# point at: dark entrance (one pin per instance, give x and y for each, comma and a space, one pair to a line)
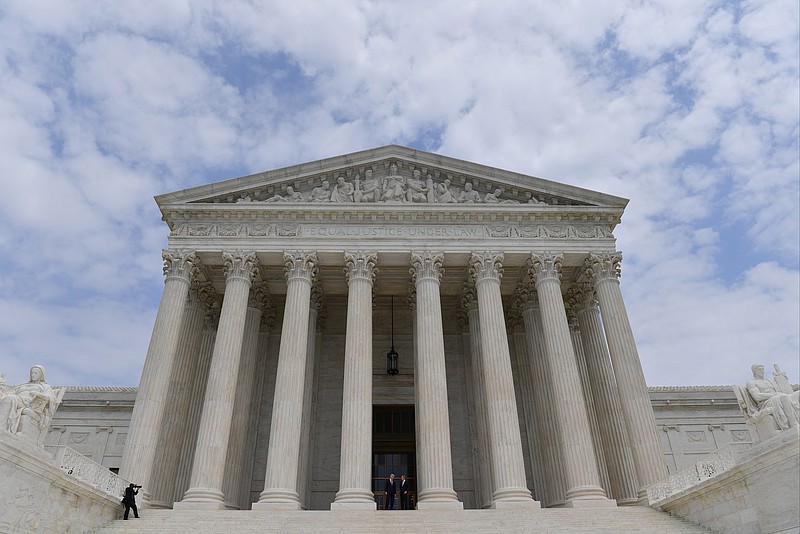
393, 450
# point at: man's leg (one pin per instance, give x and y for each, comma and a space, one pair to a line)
135, 511
127, 511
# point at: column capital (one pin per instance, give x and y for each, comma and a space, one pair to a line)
300, 264
412, 296
604, 266
427, 265
469, 297
545, 266
486, 265
260, 298
525, 297
360, 265
180, 264
240, 264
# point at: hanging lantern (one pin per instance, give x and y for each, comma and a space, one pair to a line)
391, 356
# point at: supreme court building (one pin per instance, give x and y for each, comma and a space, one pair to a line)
391, 310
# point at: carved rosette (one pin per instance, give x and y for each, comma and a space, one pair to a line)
427, 265
180, 264
604, 266
546, 266
300, 264
486, 265
241, 265
360, 265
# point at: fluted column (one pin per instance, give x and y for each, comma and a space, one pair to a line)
527, 386
259, 301
508, 464
184, 370
588, 399
315, 318
483, 458
148, 411
283, 457
355, 468
616, 446
196, 399
553, 492
434, 462
208, 469
636, 408
580, 467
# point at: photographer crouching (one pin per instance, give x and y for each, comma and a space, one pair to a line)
129, 500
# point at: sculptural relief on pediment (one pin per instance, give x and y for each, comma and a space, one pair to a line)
390, 182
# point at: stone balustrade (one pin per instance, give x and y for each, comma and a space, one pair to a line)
708, 467
79, 466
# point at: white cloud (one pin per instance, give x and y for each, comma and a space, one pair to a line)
687, 108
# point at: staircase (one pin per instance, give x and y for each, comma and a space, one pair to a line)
588, 520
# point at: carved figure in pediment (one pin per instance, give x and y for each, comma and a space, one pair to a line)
367, 190
394, 186
416, 191
321, 193
770, 406
27, 409
290, 196
534, 200
494, 198
469, 195
244, 199
342, 191
444, 193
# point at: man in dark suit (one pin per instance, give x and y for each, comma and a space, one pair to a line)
390, 490
405, 486
130, 500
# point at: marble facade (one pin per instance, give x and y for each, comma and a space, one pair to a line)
267, 355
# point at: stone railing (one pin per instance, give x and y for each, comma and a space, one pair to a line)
79, 466
708, 467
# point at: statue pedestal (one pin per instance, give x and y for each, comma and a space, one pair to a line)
39, 497
758, 494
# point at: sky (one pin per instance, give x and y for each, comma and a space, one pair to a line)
689, 108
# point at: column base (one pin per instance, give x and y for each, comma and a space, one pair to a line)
278, 499
201, 499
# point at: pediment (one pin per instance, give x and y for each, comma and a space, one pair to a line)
391, 176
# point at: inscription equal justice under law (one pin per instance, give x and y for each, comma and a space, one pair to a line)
550, 231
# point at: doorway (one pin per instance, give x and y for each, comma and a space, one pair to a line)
393, 451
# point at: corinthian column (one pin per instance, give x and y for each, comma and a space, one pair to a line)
508, 464
184, 370
434, 463
260, 301
355, 471
543, 402
580, 467
148, 411
316, 318
484, 487
208, 470
636, 408
196, 398
283, 457
616, 446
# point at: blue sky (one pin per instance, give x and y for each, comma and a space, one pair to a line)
689, 108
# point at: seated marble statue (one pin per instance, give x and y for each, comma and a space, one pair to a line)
772, 400
29, 408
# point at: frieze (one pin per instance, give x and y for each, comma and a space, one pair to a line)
495, 231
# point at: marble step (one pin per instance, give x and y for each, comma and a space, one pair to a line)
608, 520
